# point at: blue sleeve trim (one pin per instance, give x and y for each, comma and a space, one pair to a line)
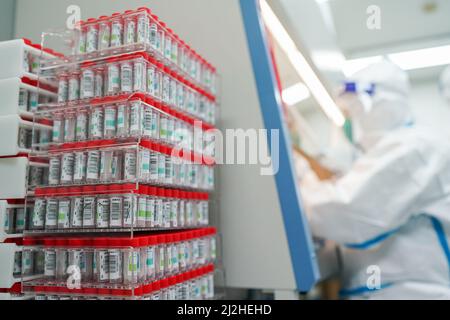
361, 290
372, 242
440, 232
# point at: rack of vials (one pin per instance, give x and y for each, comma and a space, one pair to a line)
19, 97
125, 209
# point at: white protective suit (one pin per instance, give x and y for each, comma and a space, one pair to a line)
391, 211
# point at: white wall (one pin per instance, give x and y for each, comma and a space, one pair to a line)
428, 106
7, 8
255, 246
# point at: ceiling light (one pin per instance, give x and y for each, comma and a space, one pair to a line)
301, 65
295, 94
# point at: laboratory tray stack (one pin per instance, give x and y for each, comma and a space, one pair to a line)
125, 210
19, 60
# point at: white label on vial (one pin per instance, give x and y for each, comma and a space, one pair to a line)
153, 35
116, 212
103, 212
91, 39
81, 127
38, 219
147, 123
129, 209
130, 37
87, 84
54, 171
115, 264
142, 208
163, 128
153, 166
174, 257
174, 213
57, 125
161, 167
104, 37
139, 76
135, 115
110, 120
34, 101
126, 77
145, 164
150, 213
182, 255
142, 29
169, 258
161, 259
88, 212
116, 34
79, 174
64, 214
98, 85
166, 89
130, 165
77, 212
96, 128
133, 265
67, 168
23, 99
93, 165
151, 81
121, 120
150, 261
113, 79
159, 212
103, 265
74, 89
166, 214
50, 263
63, 88
51, 216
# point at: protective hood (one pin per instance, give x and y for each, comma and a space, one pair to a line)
378, 102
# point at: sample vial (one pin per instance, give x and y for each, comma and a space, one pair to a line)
142, 208
140, 76
110, 122
113, 78
130, 30
126, 79
79, 175
153, 34
33, 101
153, 166
102, 266
80, 40
81, 131
92, 37
74, 86
54, 170
99, 82
51, 214
143, 28
96, 123
58, 128
130, 163
103, 212
166, 88
89, 212
76, 215
116, 216
151, 80
115, 266
116, 31
87, 82
67, 168
129, 211
122, 120
144, 165
93, 166
63, 88
150, 213
70, 127
38, 217
136, 118
64, 214
104, 37
50, 263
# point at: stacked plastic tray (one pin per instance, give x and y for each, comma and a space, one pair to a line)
19, 92
124, 212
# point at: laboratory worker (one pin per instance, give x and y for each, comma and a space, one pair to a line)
444, 84
390, 213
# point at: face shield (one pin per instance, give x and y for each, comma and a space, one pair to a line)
378, 106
